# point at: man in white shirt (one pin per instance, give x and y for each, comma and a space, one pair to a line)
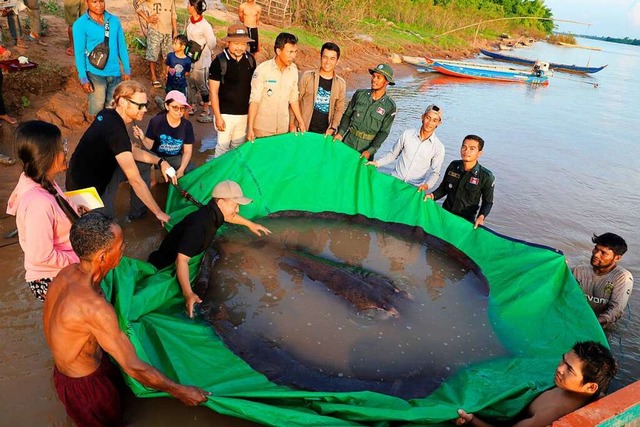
420, 152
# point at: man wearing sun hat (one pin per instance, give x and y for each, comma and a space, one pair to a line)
368, 118
419, 152
194, 234
230, 87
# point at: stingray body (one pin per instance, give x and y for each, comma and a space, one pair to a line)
364, 289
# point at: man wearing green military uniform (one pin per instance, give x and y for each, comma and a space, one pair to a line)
465, 183
367, 120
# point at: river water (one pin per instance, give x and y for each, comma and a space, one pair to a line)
565, 163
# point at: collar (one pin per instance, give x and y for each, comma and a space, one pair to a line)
430, 138
474, 170
195, 21
214, 212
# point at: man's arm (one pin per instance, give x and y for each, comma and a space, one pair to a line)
187, 150
441, 191
433, 175
128, 166
542, 418
295, 107
182, 272
123, 53
487, 201
256, 229
345, 122
338, 109
102, 322
619, 297
254, 102
241, 12
214, 89
391, 155
140, 155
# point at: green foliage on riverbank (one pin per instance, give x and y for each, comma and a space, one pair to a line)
389, 22
626, 40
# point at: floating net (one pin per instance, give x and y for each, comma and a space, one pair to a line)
535, 306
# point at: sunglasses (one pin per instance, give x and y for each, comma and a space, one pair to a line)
140, 105
177, 107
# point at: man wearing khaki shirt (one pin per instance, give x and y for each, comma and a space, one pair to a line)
274, 88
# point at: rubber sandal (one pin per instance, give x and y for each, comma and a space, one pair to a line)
6, 160
7, 118
205, 118
156, 84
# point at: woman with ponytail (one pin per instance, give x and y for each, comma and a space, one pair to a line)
201, 32
43, 214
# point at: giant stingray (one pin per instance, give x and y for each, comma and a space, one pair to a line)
288, 271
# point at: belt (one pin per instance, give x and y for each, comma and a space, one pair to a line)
362, 135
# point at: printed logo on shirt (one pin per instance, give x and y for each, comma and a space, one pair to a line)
380, 111
321, 103
170, 146
597, 300
474, 181
608, 288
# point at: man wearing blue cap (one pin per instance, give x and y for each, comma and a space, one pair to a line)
368, 118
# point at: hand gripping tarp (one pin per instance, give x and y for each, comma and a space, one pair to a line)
535, 305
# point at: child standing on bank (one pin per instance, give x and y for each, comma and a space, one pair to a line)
178, 66
162, 19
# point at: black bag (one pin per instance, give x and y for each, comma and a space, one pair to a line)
100, 54
193, 50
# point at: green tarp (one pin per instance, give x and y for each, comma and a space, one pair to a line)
535, 305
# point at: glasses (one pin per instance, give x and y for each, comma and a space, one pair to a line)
140, 105
65, 146
177, 108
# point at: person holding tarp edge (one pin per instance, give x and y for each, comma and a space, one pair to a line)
605, 284
466, 183
583, 374
194, 234
82, 331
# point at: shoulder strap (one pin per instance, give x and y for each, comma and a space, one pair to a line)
106, 31
223, 66
251, 59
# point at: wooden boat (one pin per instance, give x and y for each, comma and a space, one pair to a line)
418, 61
552, 65
580, 46
477, 71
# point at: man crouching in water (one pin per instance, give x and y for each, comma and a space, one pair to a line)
80, 327
581, 376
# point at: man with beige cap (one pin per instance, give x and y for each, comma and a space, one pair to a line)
230, 88
194, 234
419, 152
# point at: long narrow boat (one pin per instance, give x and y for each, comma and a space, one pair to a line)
552, 65
477, 71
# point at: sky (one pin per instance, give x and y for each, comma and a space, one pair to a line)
615, 18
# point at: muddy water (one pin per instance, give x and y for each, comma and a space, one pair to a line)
269, 291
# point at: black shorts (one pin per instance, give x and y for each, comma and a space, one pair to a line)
254, 46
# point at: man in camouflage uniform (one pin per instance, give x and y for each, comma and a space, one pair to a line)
368, 118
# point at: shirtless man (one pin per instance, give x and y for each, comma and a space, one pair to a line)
249, 15
80, 327
581, 376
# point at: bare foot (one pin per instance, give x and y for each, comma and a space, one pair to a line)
9, 119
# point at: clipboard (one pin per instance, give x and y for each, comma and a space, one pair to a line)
85, 197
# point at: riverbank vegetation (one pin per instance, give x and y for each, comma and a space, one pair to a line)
394, 22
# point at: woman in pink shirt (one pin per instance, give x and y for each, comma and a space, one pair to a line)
43, 214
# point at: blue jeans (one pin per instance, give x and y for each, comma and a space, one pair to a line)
102, 94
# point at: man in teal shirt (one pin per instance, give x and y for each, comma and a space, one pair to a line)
368, 118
